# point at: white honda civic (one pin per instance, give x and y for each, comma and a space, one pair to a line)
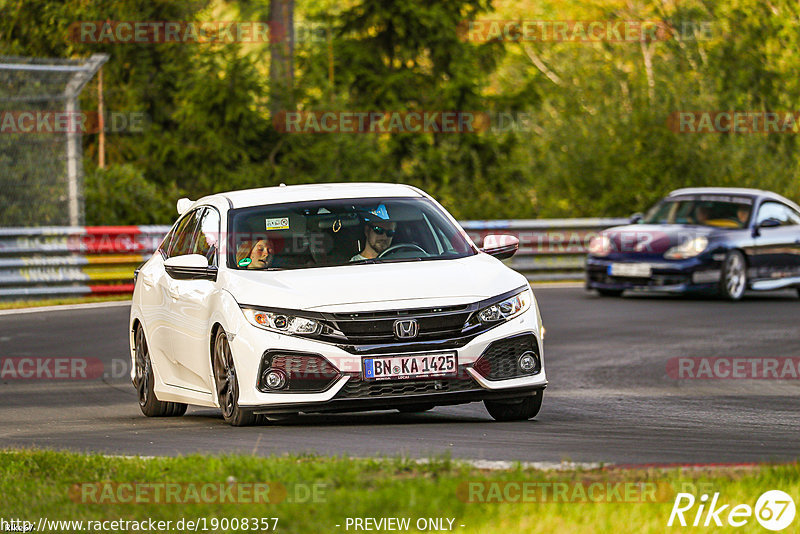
327, 298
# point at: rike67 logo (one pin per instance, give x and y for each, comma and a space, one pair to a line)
774, 510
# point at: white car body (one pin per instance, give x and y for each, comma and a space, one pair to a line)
180, 317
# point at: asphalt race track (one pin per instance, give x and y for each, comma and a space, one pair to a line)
610, 398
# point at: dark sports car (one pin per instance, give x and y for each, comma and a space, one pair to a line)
715, 240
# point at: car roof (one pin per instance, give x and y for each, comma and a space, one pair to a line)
733, 191
306, 192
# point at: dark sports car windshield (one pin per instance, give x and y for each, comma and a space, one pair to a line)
702, 210
329, 233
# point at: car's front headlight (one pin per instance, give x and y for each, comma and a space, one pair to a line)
600, 245
281, 322
510, 307
688, 249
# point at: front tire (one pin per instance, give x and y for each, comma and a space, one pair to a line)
144, 380
227, 384
733, 281
515, 410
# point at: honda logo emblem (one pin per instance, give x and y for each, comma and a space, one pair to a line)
406, 328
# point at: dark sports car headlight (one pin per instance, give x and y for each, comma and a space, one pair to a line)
600, 245
687, 249
505, 310
281, 322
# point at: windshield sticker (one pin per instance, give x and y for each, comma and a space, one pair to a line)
278, 223
244, 262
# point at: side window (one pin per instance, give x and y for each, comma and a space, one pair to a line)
170, 239
777, 211
207, 240
183, 242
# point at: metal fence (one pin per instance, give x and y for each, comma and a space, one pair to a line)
41, 128
74, 261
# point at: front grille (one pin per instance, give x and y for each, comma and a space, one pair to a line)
656, 280
378, 327
499, 360
356, 388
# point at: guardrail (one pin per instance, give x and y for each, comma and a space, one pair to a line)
549, 249
97, 260
73, 261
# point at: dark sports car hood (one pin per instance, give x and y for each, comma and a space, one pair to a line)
655, 238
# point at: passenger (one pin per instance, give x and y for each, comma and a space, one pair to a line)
255, 255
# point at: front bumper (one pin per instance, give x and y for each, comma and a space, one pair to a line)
350, 391
701, 274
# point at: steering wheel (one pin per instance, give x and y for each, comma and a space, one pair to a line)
400, 246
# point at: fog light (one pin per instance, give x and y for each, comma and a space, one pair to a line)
275, 379
527, 362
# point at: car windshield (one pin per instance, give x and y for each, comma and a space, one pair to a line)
702, 210
328, 233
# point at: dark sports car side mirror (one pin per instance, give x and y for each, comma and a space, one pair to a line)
636, 218
769, 223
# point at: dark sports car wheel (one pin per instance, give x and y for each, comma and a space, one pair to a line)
610, 292
515, 410
228, 384
733, 281
149, 404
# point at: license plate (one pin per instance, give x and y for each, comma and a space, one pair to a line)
411, 366
631, 270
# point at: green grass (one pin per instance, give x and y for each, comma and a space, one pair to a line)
38, 484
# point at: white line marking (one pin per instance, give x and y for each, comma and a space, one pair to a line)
67, 307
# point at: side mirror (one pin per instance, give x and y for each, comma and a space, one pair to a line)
190, 267
183, 205
501, 247
636, 218
769, 223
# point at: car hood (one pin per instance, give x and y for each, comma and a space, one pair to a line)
655, 238
371, 287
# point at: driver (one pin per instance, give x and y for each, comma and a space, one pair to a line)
379, 232
743, 213
701, 214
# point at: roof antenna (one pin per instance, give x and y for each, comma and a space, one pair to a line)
282, 185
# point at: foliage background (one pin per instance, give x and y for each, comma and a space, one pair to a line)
598, 144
